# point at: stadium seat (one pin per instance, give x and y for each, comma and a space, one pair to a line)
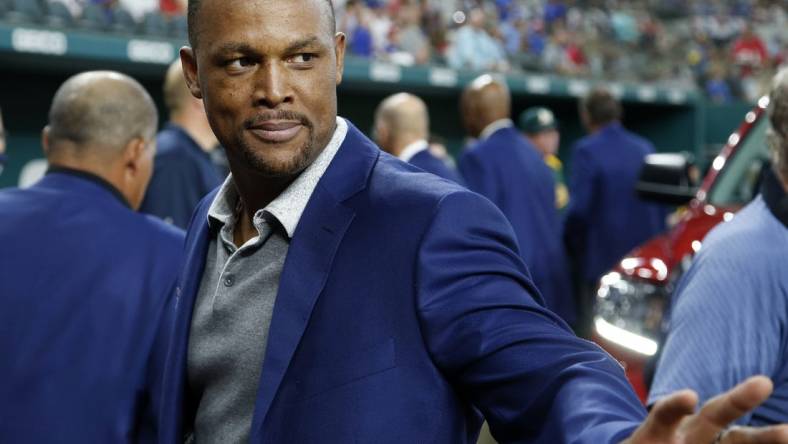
156, 25
25, 11
58, 16
94, 17
124, 22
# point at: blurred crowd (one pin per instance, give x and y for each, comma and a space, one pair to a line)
730, 49
137, 8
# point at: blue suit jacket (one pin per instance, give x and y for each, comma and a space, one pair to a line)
431, 164
83, 284
509, 171
605, 218
183, 174
403, 311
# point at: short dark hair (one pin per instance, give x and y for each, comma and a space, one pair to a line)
601, 107
194, 8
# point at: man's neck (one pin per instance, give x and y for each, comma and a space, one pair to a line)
405, 150
493, 127
255, 192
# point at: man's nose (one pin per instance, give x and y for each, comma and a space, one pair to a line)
272, 86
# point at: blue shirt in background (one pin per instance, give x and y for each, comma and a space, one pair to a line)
731, 311
605, 218
183, 174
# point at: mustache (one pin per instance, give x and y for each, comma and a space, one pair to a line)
277, 115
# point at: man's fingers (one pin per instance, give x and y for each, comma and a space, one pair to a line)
728, 407
721, 411
665, 417
749, 435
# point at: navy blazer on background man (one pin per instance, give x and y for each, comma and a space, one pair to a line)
403, 307
83, 284
183, 174
605, 218
431, 164
510, 172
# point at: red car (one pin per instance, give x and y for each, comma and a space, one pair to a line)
633, 297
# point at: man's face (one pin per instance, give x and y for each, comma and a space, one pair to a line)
267, 72
546, 142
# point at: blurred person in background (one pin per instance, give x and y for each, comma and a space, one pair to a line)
474, 48
730, 312
173, 7
84, 278
605, 219
412, 38
402, 127
184, 171
504, 167
540, 127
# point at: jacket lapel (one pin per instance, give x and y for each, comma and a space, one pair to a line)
174, 383
309, 259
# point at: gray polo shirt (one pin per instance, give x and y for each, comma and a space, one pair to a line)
235, 302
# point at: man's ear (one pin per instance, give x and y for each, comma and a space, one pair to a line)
45, 140
134, 154
189, 64
340, 43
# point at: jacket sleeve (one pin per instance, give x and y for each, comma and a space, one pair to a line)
487, 330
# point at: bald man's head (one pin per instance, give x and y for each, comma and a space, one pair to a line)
400, 120
176, 92
484, 101
104, 123
778, 119
98, 113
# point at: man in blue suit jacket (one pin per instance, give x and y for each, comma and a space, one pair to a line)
333, 293
402, 126
605, 218
184, 171
84, 279
504, 167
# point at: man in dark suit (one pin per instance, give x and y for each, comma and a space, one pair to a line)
333, 293
402, 126
184, 171
605, 218
504, 167
84, 279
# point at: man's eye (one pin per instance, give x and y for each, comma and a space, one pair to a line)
239, 64
302, 58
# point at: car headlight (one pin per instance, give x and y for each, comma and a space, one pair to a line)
629, 313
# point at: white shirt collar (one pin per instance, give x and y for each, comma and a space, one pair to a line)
288, 207
410, 151
495, 127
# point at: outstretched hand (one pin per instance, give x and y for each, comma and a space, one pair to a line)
673, 420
